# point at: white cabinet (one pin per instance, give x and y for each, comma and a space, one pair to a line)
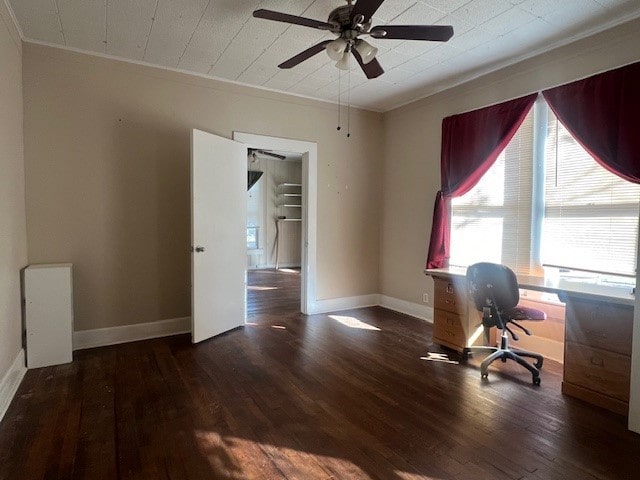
48, 311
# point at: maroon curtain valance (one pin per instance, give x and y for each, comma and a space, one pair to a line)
471, 143
602, 113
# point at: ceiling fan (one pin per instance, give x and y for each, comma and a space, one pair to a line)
254, 152
350, 22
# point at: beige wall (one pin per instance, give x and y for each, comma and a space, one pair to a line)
412, 146
107, 165
13, 243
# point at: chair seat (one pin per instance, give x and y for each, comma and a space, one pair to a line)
523, 313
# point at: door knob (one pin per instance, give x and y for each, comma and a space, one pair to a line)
199, 249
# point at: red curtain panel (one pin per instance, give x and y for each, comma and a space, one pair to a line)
602, 113
471, 143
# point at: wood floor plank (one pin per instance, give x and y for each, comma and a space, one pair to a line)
96, 450
359, 394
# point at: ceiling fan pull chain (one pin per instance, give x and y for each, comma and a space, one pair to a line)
339, 76
349, 101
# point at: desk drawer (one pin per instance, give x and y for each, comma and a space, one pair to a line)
447, 328
600, 325
450, 295
599, 370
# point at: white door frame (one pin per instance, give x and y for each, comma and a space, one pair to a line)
309, 151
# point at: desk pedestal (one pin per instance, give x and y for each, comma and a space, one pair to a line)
597, 355
456, 323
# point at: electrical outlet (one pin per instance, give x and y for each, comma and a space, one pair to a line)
425, 298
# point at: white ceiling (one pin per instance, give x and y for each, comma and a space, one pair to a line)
221, 39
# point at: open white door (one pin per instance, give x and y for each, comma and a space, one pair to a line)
218, 234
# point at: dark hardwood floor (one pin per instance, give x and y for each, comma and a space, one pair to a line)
273, 291
356, 395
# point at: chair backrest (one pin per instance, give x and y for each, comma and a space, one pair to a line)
491, 282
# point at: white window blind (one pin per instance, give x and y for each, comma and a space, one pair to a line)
492, 222
591, 215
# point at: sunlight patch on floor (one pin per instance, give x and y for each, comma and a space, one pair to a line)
264, 325
414, 476
439, 357
288, 270
353, 322
228, 458
215, 449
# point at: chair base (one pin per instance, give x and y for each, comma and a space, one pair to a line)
505, 353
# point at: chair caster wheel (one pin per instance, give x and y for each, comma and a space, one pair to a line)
536, 381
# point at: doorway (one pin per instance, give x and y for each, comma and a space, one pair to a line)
274, 231
307, 152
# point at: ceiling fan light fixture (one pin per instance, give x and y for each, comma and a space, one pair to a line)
343, 63
367, 51
336, 49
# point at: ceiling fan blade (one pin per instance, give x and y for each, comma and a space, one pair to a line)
271, 154
268, 153
434, 33
296, 20
304, 55
366, 8
371, 69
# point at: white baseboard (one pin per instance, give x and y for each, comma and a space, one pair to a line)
101, 337
273, 267
345, 303
423, 312
11, 381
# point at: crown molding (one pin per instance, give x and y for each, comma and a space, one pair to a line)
13, 19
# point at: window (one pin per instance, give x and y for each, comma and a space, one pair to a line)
546, 201
492, 222
252, 238
590, 214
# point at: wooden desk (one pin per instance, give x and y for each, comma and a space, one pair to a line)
598, 332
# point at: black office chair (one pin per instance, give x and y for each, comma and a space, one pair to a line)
494, 290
